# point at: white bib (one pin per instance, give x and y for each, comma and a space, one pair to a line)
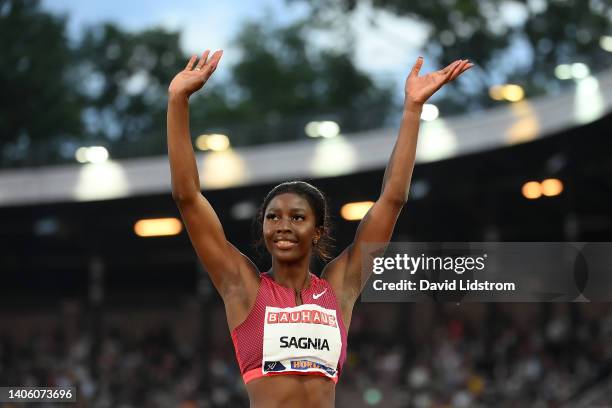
304, 338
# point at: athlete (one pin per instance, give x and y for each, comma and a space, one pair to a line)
289, 326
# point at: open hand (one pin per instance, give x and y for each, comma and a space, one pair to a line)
420, 88
191, 79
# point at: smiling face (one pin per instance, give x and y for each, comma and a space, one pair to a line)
289, 227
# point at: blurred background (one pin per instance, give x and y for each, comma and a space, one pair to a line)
101, 289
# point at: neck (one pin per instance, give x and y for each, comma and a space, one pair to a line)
291, 275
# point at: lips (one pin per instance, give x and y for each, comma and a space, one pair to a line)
284, 243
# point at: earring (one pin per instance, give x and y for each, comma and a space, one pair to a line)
314, 241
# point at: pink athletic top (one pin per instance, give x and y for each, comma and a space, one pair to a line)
279, 337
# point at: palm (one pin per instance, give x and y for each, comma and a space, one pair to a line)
420, 88
192, 79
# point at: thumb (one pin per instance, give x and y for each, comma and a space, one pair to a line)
417, 67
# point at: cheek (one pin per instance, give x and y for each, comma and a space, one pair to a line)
267, 230
308, 230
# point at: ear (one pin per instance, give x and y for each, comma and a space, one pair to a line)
317, 236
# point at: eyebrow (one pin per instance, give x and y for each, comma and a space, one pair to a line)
291, 209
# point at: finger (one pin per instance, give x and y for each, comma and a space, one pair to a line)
202, 60
448, 71
417, 67
455, 71
467, 67
216, 56
449, 67
464, 67
214, 61
190, 63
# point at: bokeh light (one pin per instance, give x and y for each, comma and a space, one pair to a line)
355, 211
552, 187
158, 227
430, 112
532, 190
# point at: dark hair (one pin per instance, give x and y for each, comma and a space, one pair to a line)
317, 201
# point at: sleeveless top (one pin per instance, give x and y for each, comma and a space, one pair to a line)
279, 337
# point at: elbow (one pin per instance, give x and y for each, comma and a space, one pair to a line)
184, 192
177, 197
396, 200
180, 198
395, 194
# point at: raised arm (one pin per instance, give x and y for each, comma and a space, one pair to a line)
344, 273
226, 266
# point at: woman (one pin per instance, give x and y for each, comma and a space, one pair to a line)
289, 326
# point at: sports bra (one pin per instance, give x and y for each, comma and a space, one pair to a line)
278, 337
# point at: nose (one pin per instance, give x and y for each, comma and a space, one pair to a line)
283, 225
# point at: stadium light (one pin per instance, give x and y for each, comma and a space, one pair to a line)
430, 112
158, 227
222, 169
552, 187
563, 72
101, 181
92, 154
81, 154
532, 190
326, 129
355, 211
527, 125
437, 141
513, 93
333, 157
312, 129
580, 70
589, 104
605, 42
217, 142
329, 128
495, 92
577, 70
508, 92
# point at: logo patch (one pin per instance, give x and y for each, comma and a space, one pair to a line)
315, 296
274, 366
307, 364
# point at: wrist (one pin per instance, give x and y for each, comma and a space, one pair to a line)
413, 106
177, 96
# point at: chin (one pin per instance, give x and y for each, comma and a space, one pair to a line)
288, 256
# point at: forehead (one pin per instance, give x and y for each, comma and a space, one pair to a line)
287, 201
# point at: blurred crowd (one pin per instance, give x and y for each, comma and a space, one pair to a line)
399, 355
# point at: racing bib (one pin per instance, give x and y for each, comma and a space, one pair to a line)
304, 338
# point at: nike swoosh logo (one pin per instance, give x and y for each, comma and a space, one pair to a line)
315, 296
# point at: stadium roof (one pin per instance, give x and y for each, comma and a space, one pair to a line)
442, 138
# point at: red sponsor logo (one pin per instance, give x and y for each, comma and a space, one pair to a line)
302, 316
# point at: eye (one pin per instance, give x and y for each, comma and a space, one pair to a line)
271, 216
299, 217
